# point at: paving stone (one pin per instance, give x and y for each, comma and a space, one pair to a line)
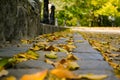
89, 56
84, 47
10, 51
94, 65
34, 64
60, 41
77, 36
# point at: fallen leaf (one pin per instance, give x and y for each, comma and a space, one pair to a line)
3, 72
71, 65
51, 48
49, 61
67, 47
24, 56
55, 64
9, 78
63, 50
35, 48
72, 57
32, 54
63, 73
36, 76
51, 55
23, 41
93, 76
3, 63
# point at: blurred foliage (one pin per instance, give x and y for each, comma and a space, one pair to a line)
87, 12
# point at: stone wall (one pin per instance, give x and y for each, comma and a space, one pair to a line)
45, 28
19, 19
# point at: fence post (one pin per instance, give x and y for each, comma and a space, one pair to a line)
46, 12
52, 15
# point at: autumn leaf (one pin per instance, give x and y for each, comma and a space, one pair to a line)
36, 76
3, 63
63, 73
32, 54
51, 38
51, 55
115, 65
3, 72
63, 50
64, 64
39, 46
24, 56
35, 48
67, 47
9, 78
72, 65
23, 41
52, 48
92, 76
67, 64
49, 61
55, 64
72, 57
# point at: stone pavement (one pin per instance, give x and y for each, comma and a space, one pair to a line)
90, 61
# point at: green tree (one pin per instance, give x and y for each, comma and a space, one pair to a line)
87, 12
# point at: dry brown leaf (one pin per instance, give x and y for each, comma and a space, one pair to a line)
67, 47
49, 61
3, 72
114, 65
72, 57
51, 48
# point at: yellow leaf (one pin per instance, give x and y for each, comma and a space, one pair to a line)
23, 41
72, 57
93, 76
36, 76
72, 65
63, 50
51, 48
32, 54
10, 78
51, 55
67, 47
63, 73
49, 61
35, 48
